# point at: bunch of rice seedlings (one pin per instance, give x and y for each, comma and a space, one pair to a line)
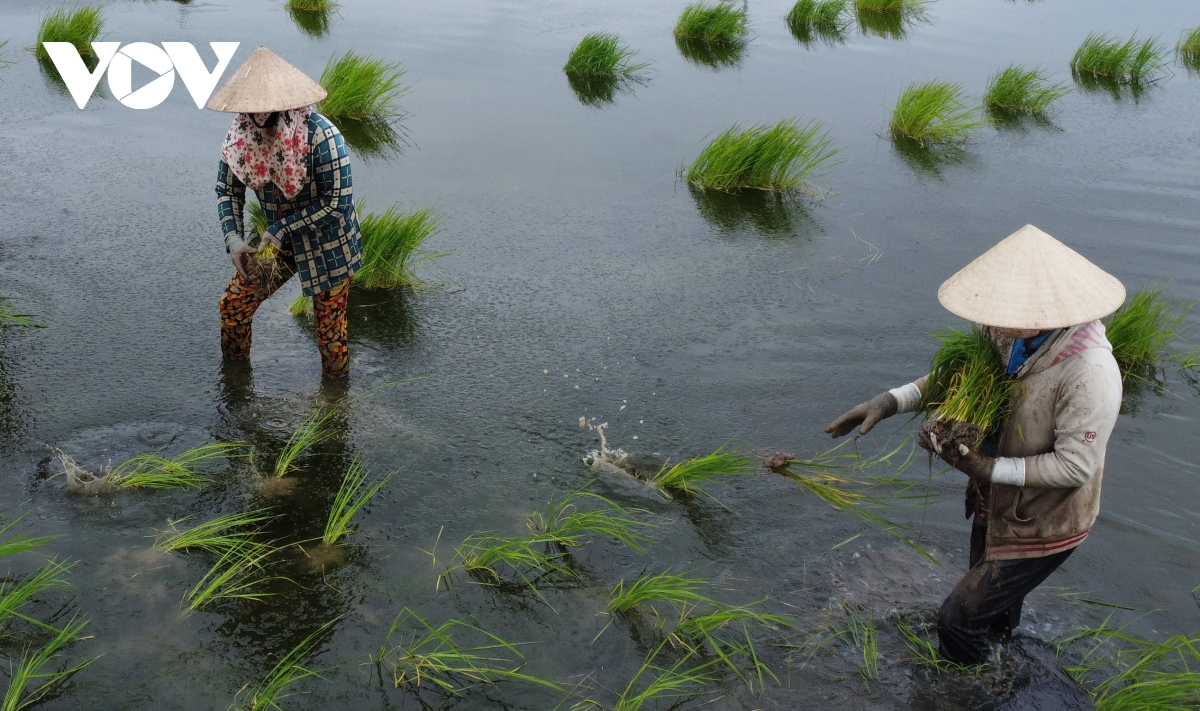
1142, 331
356, 490
779, 158
258, 222
568, 526
917, 637
818, 18
311, 16
602, 54
391, 242
9, 317
722, 23
1123, 672
685, 477
1129, 62
290, 669
1020, 90
361, 88
80, 26
154, 471
1189, 49
15, 594
311, 432
20, 542
451, 656
678, 590
491, 558
933, 112
684, 678
31, 681
219, 536
311, 5
967, 381
710, 55
237, 575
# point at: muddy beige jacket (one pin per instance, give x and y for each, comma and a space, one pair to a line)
1045, 492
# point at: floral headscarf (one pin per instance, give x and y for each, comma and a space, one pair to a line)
277, 154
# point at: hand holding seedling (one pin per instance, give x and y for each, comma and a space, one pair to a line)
974, 464
867, 414
243, 260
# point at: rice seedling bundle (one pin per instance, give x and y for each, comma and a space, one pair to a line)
889, 19
1189, 49
601, 54
684, 478
686, 677
722, 23
392, 245
1142, 331
80, 26
220, 535
10, 317
968, 391
20, 542
1104, 57
154, 471
492, 558
33, 680
569, 526
361, 88
933, 112
777, 158
311, 432
14, 594
823, 18
1020, 90
237, 575
269, 691
1123, 672
679, 590
354, 493
258, 222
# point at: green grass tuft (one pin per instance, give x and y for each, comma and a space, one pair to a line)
1142, 332
311, 5
602, 54
722, 23
392, 247
684, 478
361, 88
824, 19
492, 559
1108, 59
355, 492
80, 26
933, 112
1020, 90
890, 19
678, 590
1189, 50
290, 669
778, 158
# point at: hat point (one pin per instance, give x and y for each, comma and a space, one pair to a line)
266, 82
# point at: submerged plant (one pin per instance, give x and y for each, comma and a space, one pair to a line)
777, 158
1108, 59
80, 26
818, 18
220, 535
1189, 49
1142, 331
290, 669
684, 478
1123, 672
361, 88
722, 23
154, 471
354, 493
392, 246
568, 526
933, 112
30, 682
9, 317
1017, 89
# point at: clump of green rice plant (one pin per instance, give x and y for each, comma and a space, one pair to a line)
313, 22
221, 535
392, 246
80, 26
710, 55
154, 471
809, 19
237, 575
356, 491
933, 112
491, 559
682, 679
779, 158
1129, 62
1017, 89
311, 432
569, 526
290, 669
311, 5
967, 381
10, 317
451, 656
258, 222
301, 307
15, 594
684, 478
1143, 330
722, 23
361, 88
917, 635
679, 590
31, 682
1123, 672
1189, 49
602, 54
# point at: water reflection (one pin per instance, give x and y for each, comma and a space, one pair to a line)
1017, 121
890, 24
766, 212
711, 55
1115, 88
929, 160
383, 316
373, 138
831, 34
314, 23
600, 89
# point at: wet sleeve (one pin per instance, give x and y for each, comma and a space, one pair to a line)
331, 171
231, 198
1085, 413
908, 397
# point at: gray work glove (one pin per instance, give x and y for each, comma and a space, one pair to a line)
242, 255
867, 414
974, 464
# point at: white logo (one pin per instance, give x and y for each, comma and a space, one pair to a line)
165, 61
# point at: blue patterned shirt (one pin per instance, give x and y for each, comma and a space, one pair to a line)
318, 225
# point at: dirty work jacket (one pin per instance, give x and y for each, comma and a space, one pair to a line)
1045, 492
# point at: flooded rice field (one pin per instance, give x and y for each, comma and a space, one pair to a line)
581, 280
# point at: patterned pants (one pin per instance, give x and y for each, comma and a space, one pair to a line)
241, 299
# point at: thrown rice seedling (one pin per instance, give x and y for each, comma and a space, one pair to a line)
861, 633
31, 682
1123, 672
311, 432
20, 542
311, 5
722, 23
311, 16
568, 526
154, 471
361, 88
917, 635
450, 657
682, 679
678, 590
237, 575
10, 317
1109, 59
933, 112
80, 26
14, 595
492, 559
1188, 50
302, 307
779, 158
968, 391
823, 19
684, 478
602, 54
290, 669
392, 243
219, 536
1017, 89
1142, 332
355, 492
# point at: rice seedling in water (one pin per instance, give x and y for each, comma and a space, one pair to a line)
777, 158
391, 247
236, 575
675, 589
722, 23
311, 5
219, 536
1142, 331
684, 478
682, 679
29, 683
568, 526
917, 635
20, 542
80, 26
14, 595
361, 88
9, 317
861, 633
154, 471
492, 558
311, 432
1129, 62
1124, 673
290, 669
824, 19
451, 656
933, 112
602, 54
1189, 50
311, 16
355, 492
1020, 90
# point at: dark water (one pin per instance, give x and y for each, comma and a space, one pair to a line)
573, 249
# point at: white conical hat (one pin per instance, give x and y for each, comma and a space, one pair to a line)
1031, 280
265, 82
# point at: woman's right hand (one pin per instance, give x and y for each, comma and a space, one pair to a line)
243, 259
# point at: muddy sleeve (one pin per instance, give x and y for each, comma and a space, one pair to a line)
1089, 399
908, 397
231, 198
331, 171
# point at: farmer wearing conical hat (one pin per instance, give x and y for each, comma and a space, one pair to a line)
297, 164
1034, 489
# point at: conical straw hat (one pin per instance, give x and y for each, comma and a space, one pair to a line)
1031, 280
265, 82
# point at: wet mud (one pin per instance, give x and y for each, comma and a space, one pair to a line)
938, 434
